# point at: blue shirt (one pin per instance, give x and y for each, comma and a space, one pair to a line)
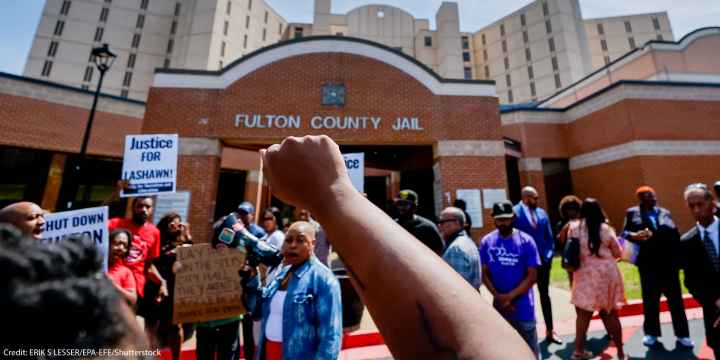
462, 255
541, 233
508, 261
312, 313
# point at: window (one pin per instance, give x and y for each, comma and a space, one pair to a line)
466, 56
465, 43
127, 79
428, 41
551, 44
84, 87
607, 59
600, 29
140, 22
298, 32
99, 34
65, 8
170, 45
228, 8
245, 38
177, 9
483, 38
249, 4
656, 23
523, 21
225, 27
628, 27
526, 38
279, 29
136, 40
528, 55
398, 48
555, 64
143, 4
531, 73
47, 67
533, 91
548, 26
508, 80
59, 26
603, 45
108, 1
173, 27
266, 17
485, 55
631, 42
339, 34
265, 34
546, 9
468, 73
558, 84
660, 37
166, 63
247, 22
502, 29
52, 50
88, 74
131, 61
507, 63
222, 48
487, 72
104, 14
510, 96
124, 93
504, 46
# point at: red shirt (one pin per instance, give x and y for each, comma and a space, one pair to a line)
121, 275
145, 247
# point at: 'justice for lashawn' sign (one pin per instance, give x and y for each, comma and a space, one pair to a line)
150, 164
262, 121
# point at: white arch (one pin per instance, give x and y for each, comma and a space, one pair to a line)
313, 46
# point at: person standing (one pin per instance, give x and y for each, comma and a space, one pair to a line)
28, 217
462, 205
700, 247
301, 308
597, 283
534, 221
421, 228
120, 275
322, 248
510, 261
461, 252
716, 187
272, 223
653, 229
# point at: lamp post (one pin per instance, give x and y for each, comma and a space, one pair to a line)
103, 59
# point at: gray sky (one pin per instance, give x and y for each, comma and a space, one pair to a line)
19, 18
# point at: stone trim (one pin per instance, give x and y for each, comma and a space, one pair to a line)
645, 148
469, 148
530, 164
199, 147
69, 98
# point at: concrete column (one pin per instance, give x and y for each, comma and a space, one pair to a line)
198, 172
54, 182
531, 174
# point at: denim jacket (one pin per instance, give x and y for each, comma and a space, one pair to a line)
312, 313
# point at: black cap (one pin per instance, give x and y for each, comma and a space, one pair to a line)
407, 195
503, 210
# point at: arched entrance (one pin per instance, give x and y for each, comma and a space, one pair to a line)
364, 95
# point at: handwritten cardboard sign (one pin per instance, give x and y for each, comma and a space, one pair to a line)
207, 286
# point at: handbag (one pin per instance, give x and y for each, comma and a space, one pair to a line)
571, 254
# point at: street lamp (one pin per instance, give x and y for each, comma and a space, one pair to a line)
103, 59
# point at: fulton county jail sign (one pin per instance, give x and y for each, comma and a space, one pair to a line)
263, 121
150, 164
90, 222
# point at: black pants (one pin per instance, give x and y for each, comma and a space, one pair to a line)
248, 338
654, 282
223, 340
712, 335
543, 284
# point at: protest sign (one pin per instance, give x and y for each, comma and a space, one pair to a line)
150, 164
90, 222
355, 164
207, 286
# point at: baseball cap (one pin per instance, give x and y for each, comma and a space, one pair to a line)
407, 195
246, 207
644, 189
503, 210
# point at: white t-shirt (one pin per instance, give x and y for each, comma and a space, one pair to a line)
273, 326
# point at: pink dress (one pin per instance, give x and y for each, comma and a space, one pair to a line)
597, 283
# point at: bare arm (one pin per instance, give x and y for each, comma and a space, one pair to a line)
128, 294
423, 308
525, 285
486, 280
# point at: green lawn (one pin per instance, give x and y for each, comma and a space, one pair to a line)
559, 278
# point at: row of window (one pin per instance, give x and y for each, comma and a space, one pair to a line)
628, 26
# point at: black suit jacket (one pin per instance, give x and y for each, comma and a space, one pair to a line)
701, 278
658, 252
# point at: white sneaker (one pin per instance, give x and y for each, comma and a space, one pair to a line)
686, 342
649, 340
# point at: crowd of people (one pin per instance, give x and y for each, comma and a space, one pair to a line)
423, 309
